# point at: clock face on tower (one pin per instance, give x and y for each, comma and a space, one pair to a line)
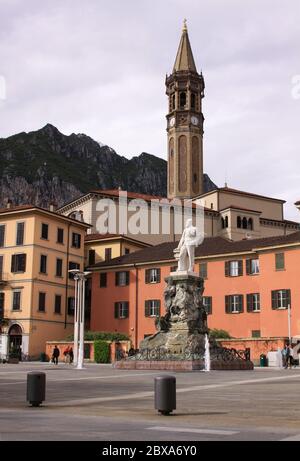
172, 121
194, 120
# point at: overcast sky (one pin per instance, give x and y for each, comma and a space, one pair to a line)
98, 67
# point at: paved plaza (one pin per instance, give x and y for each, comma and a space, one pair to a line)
101, 403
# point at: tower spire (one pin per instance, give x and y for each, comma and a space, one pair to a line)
184, 59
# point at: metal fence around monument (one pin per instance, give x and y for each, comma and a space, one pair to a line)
217, 353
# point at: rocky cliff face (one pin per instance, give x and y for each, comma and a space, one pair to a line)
46, 166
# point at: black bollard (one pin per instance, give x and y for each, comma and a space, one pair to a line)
165, 394
36, 388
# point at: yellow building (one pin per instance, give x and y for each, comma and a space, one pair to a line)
37, 248
104, 247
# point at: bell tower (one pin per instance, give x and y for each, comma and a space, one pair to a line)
185, 90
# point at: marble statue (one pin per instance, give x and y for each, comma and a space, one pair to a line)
185, 251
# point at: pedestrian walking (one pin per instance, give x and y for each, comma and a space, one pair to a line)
290, 360
71, 354
55, 355
284, 353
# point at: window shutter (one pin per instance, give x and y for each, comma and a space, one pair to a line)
240, 267
126, 310
127, 278
147, 276
23, 262
158, 275
241, 303
288, 298
158, 308
227, 305
147, 308
227, 268
1, 266
2, 234
2, 297
249, 303
117, 279
248, 267
116, 310
13, 263
274, 300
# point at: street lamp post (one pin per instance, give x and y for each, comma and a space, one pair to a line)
80, 278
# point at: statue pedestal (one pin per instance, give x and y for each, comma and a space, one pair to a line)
179, 343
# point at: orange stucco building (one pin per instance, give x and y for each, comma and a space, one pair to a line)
248, 287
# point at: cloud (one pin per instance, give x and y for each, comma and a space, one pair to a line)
99, 68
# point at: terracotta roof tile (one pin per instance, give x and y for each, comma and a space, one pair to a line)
210, 247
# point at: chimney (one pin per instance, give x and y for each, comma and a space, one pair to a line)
9, 204
52, 206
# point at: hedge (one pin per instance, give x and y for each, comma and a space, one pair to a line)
219, 334
101, 351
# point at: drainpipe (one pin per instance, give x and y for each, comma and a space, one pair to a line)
67, 276
136, 305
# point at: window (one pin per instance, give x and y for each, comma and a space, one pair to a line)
57, 304
252, 266
245, 223
103, 280
152, 308
60, 235
121, 310
44, 231
250, 224
76, 240
42, 302
193, 101
2, 299
71, 305
20, 233
182, 99
43, 264
207, 304
152, 276
233, 268
126, 251
122, 278
107, 254
281, 299
203, 270
73, 265
16, 300
173, 102
280, 261
59, 267
253, 302
239, 222
18, 263
234, 304
255, 333
92, 257
2, 235
173, 269
226, 222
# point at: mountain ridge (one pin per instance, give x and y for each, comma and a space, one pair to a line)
45, 166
